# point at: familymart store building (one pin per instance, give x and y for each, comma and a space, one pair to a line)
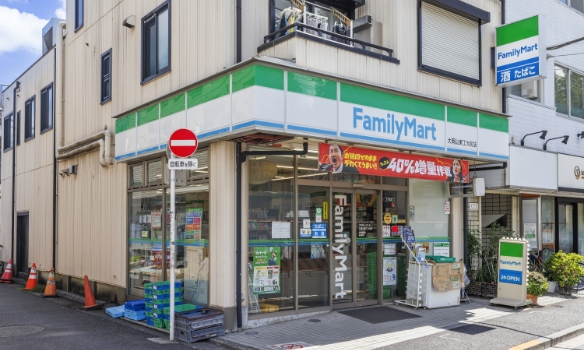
332, 171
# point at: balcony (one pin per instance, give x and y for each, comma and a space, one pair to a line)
283, 45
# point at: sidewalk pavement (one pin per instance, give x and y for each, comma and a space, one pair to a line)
335, 330
28, 321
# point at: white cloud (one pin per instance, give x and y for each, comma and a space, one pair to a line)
61, 12
20, 30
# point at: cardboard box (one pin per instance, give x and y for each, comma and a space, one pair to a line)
441, 270
441, 284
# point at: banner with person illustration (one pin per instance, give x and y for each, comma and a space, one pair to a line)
355, 160
266, 270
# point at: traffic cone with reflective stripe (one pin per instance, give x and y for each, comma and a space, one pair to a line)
7, 276
32, 278
51, 288
90, 303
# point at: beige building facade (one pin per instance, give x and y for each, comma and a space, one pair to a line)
269, 90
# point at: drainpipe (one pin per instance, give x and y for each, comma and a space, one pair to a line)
54, 170
16, 87
241, 158
59, 90
238, 32
504, 90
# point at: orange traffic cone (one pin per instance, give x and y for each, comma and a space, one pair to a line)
32, 278
51, 288
7, 276
90, 303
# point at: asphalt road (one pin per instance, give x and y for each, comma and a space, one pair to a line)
507, 331
28, 321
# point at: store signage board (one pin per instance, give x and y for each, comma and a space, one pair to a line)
442, 249
570, 173
512, 273
318, 230
355, 160
520, 54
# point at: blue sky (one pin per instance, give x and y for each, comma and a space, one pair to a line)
21, 23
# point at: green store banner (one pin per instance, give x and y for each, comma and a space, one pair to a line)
266, 270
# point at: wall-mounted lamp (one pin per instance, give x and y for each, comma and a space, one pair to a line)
581, 135
130, 22
564, 141
542, 136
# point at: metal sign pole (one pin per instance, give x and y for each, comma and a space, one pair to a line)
172, 247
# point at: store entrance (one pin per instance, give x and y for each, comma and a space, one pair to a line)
354, 248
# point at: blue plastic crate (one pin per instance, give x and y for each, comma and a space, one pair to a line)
134, 315
158, 314
116, 311
149, 322
135, 305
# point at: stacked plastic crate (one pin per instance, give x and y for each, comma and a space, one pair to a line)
157, 297
192, 326
134, 310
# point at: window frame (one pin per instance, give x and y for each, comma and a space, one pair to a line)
154, 13
18, 128
11, 134
79, 19
568, 90
105, 77
32, 118
441, 72
50, 110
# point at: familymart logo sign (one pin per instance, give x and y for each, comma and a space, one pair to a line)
520, 51
511, 263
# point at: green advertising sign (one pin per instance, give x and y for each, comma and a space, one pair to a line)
266, 270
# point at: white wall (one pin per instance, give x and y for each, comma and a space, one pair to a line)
562, 24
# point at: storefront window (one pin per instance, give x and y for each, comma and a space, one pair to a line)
566, 227
548, 223
271, 244
356, 178
192, 241
366, 215
581, 229
427, 200
149, 226
308, 168
393, 211
145, 241
313, 245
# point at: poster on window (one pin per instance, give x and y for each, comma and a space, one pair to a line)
354, 160
193, 223
389, 271
266, 270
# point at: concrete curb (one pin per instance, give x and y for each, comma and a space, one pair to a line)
229, 344
552, 340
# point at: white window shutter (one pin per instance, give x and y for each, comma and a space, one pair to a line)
450, 42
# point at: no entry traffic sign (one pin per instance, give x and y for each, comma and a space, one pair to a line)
183, 143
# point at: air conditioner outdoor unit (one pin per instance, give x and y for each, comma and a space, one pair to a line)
529, 90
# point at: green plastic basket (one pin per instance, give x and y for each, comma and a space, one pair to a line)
158, 323
441, 259
180, 308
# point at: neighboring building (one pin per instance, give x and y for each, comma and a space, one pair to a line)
415, 88
547, 185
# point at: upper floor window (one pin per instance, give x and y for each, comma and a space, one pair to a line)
449, 39
18, 128
576, 4
569, 91
78, 14
8, 131
156, 43
106, 76
29, 118
47, 108
531, 90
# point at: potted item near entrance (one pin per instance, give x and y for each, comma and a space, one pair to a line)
537, 284
565, 269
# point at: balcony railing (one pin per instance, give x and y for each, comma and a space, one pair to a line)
353, 45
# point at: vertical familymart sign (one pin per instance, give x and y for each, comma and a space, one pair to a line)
520, 51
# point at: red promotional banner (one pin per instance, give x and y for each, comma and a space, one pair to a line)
354, 160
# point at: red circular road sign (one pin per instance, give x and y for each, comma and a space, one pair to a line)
183, 143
